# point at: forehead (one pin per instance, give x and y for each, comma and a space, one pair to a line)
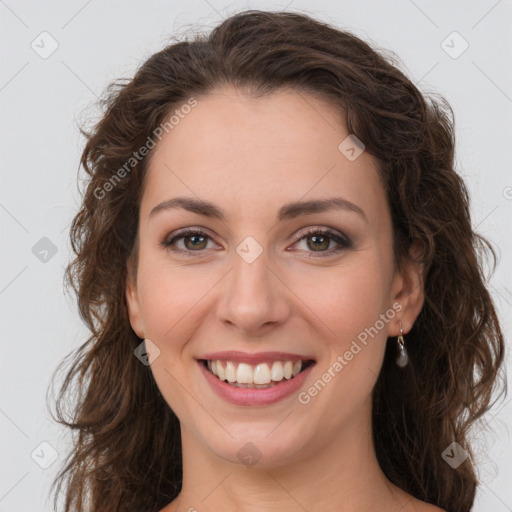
251, 153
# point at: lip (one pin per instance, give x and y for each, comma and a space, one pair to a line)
254, 396
258, 357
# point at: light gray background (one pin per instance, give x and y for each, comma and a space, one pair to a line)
43, 99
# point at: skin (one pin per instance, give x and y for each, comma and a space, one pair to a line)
249, 157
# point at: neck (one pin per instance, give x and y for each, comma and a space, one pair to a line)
341, 473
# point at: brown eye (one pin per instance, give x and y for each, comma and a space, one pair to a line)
319, 241
194, 240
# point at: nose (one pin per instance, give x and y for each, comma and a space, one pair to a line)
254, 298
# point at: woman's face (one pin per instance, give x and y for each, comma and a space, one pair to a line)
254, 290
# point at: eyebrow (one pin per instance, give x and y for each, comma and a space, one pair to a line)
288, 211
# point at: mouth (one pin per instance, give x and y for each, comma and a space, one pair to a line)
261, 375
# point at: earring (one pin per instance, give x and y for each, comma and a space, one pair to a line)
403, 358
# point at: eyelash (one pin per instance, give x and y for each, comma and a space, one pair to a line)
343, 241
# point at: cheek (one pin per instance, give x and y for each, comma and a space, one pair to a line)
355, 307
352, 362
171, 298
347, 299
172, 309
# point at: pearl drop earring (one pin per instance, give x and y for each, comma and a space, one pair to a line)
403, 358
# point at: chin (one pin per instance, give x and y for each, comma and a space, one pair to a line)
261, 447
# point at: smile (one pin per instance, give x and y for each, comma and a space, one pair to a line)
258, 376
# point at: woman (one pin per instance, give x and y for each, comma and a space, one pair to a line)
286, 299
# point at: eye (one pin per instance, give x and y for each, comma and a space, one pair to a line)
317, 241
194, 241
320, 241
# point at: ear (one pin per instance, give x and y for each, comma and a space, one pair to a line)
132, 301
408, 290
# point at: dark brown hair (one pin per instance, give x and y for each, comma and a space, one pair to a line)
127, 448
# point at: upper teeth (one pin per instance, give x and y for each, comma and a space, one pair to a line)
262, 373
